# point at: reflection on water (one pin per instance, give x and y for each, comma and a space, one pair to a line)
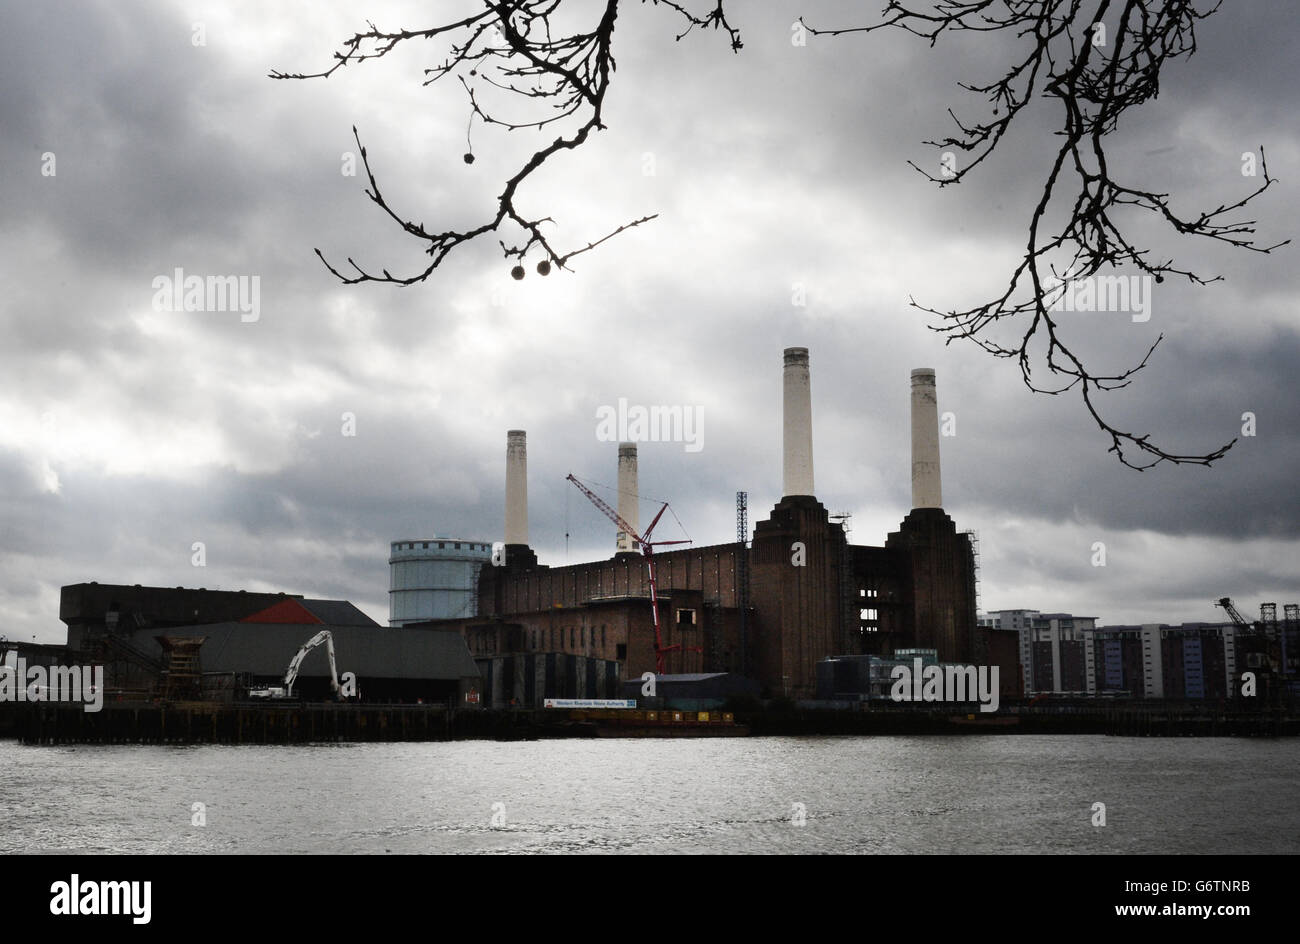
995, 794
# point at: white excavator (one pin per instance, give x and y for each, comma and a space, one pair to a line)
291, 675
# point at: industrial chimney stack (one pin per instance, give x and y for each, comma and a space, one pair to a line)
627, 500
796, 435
516, 488
926, 489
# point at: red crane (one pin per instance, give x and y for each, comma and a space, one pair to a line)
647, 550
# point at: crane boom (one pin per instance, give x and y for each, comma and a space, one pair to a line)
291, 675
610, 513
1236, 617
1259, 648
647, 551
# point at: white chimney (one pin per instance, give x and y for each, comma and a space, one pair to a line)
926, 490
516, 487
627, 491
797, 433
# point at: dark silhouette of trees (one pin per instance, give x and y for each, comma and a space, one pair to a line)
1096, 58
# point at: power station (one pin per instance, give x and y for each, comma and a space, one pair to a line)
473, 623
768, 611
791, 608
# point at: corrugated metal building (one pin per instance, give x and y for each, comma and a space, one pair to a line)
253, 636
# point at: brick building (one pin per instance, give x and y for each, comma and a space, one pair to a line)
811, 594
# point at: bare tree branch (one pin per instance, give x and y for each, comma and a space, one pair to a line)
510, 48
1097, 59
1096, 78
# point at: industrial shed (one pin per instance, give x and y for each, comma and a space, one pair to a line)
251, 639
391, 665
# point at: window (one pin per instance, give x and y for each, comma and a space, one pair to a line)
685, 617
442, 544
868, 614
602, 634
620, 651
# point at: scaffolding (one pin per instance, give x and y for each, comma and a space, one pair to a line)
973, 537
742, 576
850, 605
1291, 643
181, 678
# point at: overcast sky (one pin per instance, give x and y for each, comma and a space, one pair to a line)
131, 433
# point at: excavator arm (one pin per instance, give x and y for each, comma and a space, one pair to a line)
291, 676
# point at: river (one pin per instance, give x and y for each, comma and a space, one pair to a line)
967, 794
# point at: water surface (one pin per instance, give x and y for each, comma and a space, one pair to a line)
873, 795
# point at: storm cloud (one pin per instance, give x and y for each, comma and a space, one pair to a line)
130, 434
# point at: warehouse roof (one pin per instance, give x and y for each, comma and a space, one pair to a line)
338, 613
301, 612
265, 649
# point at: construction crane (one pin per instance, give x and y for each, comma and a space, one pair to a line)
843, 518
1226, 603
647, 550
1257, 642
291, 674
